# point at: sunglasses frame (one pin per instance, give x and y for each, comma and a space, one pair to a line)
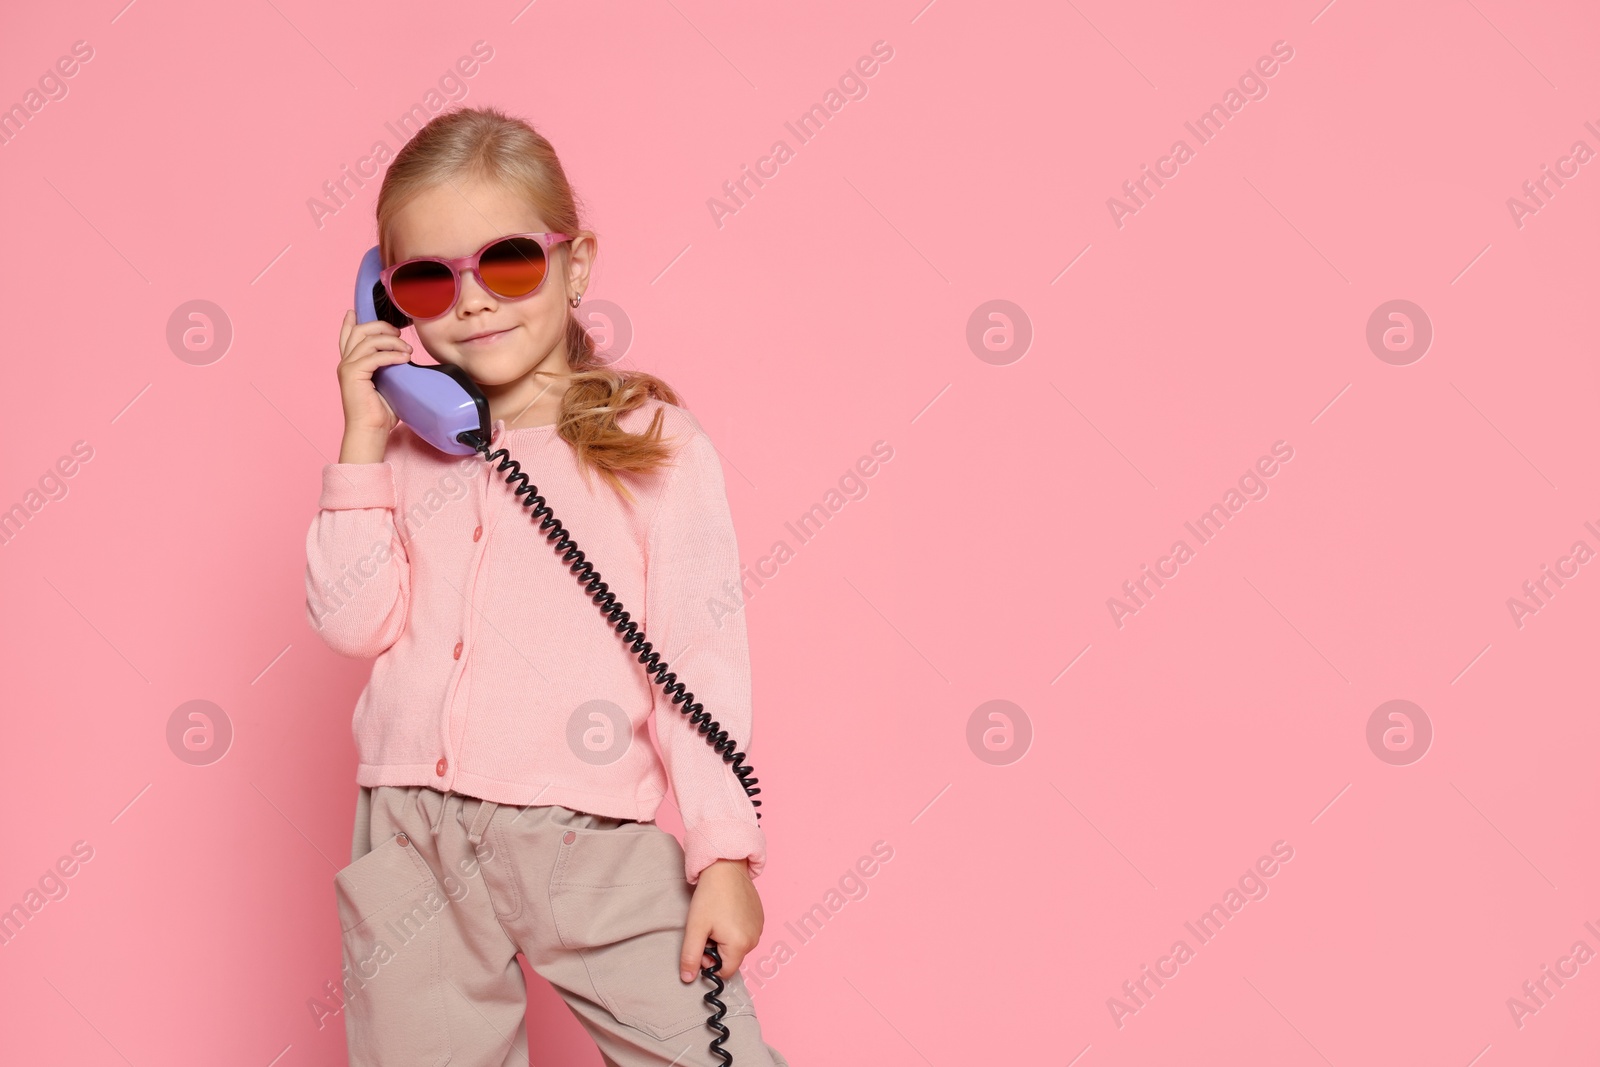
470, 263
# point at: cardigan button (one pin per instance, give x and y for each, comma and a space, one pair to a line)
477, 533
569, 837
457, 653
402, 838
440, 766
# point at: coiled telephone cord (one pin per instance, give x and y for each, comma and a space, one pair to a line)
633, 636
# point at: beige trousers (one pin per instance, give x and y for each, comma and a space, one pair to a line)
444, 890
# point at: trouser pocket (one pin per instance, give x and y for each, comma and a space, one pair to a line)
620, 901
389, 918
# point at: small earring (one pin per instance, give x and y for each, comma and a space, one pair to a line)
575, 301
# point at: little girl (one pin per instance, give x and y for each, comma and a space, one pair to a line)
507, 781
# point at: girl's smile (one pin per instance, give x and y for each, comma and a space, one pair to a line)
488, 338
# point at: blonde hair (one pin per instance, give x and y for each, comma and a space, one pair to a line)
486, 143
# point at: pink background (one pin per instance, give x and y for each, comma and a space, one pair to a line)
832, 311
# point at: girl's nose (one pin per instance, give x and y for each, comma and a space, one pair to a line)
473, 294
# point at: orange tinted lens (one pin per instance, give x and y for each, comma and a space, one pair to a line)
513, 267
423, 289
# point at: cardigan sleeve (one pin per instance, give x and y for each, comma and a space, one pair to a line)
694, 620
358, 577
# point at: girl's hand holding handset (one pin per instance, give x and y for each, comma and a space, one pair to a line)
363, 348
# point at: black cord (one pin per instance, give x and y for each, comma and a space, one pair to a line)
632, 635
715, 1021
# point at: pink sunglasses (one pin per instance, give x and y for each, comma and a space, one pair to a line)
510, 267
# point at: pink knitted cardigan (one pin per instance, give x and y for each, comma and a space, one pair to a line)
494, 673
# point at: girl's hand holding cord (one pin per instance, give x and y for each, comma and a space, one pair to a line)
509, 743
726, 909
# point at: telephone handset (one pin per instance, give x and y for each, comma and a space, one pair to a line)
444, 406
441, 403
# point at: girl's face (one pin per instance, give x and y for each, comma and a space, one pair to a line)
526, 334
